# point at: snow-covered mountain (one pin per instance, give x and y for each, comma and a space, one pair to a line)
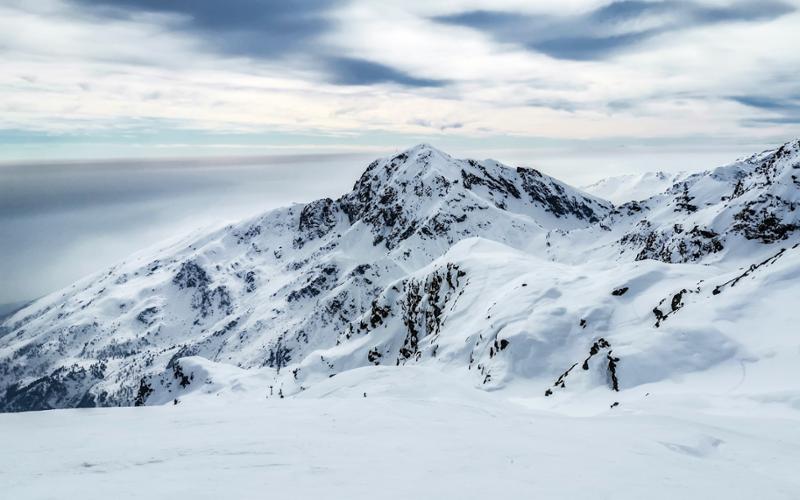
504, 276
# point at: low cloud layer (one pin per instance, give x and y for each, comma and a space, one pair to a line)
59, 222
611, 28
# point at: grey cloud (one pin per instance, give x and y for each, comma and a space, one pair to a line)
438, 126
351, 71
767, 102
780, 120
785, 110
612, 28
554, 104
264, 29
256, 28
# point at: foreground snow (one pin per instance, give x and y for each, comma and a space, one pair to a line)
417, 434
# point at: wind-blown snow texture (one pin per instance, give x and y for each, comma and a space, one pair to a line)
499, 275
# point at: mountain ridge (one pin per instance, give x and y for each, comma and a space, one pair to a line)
407, 268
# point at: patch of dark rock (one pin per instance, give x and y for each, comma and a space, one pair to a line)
316, 220
56, 390
597, 346
612, 371
144, 392
315, 284
770, 260
674, 245
182, 352
191, 275
279, 355
147, 316
555, 199
374, 356
763, 219
180, 376
683, 201
676, 303
250, 281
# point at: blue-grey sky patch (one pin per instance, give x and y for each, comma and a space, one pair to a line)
254, 28
780, 110
767, 102
265, 29
554, 104
352, 71
778, 120
442, 127
612, 28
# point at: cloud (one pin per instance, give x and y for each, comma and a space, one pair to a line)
351, 71
264, 29
255, 28
767, 102
607, 30
780, 120
443, 126
782, 110
104, 78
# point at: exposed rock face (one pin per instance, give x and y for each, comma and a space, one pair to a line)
673, 244
317, 219
756, 198
426, 193
379, 275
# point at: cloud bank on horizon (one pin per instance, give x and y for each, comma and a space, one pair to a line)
183, 75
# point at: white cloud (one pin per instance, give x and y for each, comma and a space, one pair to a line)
67, 70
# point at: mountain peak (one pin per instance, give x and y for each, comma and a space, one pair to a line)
424, 147
429, 259
425, 191
419, 158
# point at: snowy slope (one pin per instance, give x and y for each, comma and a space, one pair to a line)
621, 189
269, 291
417, 434
501, 277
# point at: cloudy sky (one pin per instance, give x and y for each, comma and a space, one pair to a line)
281, 101
108, 78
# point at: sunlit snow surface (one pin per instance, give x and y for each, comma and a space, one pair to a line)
417, 434
633, 187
